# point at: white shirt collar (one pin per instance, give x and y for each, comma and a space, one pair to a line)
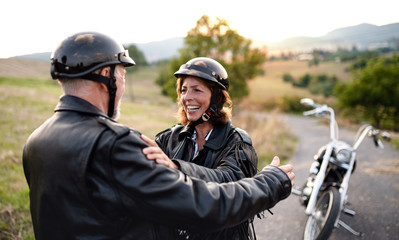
194, 136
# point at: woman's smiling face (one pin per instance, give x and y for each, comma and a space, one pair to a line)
195, 97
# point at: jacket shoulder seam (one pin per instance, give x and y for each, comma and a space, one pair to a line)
243, 135
117, 128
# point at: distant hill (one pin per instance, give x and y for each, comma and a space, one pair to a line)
160, 50
363, 36
44, 56
153, 51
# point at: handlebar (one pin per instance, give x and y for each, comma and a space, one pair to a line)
373, 133
318, 112
309, 102
321, 110
310, 112
377, 141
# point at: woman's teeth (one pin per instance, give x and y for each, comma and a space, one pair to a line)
193, 108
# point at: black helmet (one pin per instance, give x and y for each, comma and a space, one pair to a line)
205, 68
210, 70
82, 53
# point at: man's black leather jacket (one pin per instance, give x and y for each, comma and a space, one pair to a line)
88, 179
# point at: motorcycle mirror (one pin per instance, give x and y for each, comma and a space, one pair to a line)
307, 102
386, 136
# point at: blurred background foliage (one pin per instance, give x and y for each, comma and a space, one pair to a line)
218, 41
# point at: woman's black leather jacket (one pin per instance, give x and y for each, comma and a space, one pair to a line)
228, 155
88, 179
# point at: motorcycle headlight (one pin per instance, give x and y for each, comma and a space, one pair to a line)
344, 155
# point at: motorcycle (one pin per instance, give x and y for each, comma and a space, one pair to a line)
324, 194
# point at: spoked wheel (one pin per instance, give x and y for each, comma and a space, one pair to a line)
321, 223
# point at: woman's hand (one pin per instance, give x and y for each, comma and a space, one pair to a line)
153, 152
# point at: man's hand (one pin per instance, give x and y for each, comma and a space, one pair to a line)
286, 168
153, 152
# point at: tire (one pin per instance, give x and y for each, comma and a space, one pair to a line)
321, 223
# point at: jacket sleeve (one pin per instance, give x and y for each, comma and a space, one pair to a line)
162, 140
226, 169
169, 197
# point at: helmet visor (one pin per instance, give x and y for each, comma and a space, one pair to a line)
125, 59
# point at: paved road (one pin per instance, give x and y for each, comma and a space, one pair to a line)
373, 188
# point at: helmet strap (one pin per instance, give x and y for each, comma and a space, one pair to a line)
111, 85
213, 108
112, 92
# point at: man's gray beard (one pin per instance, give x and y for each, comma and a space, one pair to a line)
117, 112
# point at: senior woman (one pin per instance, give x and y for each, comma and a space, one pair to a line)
205, 144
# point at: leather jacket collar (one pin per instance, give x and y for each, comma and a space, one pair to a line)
218, 138
72, 103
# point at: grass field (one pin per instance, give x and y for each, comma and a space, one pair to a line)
25, 103
28, 101
271, 87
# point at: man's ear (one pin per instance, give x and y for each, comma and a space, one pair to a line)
105, 71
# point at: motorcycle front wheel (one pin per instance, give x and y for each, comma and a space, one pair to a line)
321, 223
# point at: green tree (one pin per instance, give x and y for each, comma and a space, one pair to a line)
374, 92
138, 57
303, 81
323, 84
318, 84
218, 41
288, 78
317, 54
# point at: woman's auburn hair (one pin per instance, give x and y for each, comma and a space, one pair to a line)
220, 117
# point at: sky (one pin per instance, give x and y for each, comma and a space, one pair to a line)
34, 26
